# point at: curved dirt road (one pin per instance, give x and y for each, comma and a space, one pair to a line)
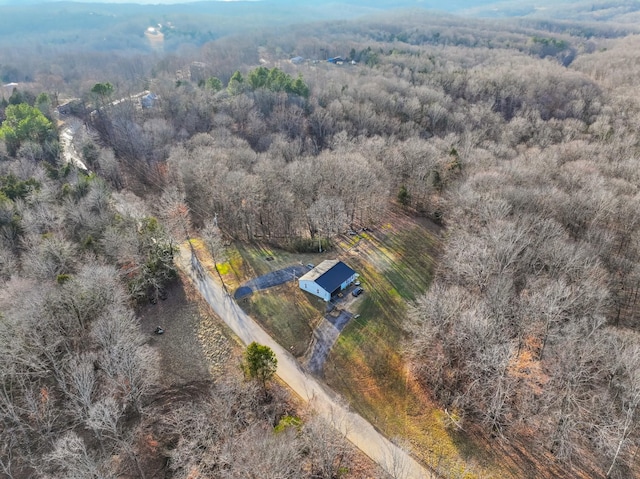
362, 434
67, 134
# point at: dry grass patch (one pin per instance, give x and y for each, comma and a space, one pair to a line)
231, 269
287, 313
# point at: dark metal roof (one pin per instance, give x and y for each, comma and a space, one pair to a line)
334, 277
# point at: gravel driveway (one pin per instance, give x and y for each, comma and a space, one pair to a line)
269, 280
324, 337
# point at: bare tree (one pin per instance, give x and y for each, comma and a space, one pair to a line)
215, 245
328, 217
82, 384
72, 457
621, 438
329, 450
175, 214
128, 363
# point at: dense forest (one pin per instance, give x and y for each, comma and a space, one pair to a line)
81, 392
518, 138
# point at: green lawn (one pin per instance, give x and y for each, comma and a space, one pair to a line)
255, 258
366, 364
287, 313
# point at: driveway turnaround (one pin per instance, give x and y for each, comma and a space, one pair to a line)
397, 462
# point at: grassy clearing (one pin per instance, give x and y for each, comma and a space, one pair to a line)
259, 259
285, 311
255, 258
366, 365
228, 269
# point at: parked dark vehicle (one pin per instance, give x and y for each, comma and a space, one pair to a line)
357, 292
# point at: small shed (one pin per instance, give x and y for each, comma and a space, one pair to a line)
327, 279
148, 100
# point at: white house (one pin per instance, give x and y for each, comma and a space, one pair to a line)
327, 279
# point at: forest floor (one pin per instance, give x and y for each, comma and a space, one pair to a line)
195, 346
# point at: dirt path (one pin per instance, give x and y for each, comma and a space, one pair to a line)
69, 153
391, 458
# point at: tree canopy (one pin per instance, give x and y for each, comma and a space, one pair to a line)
103, 90
213, 83
24, 123
12, 188
260, 362
236, 84
276, 80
